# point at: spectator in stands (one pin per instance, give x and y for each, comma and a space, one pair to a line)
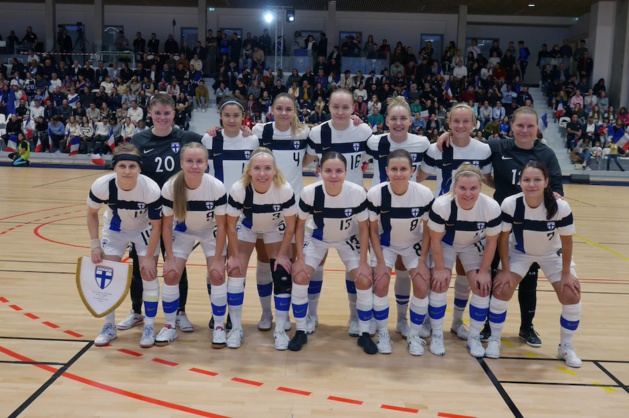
376, 120
259, 58
135, 113
171, 46
56, 131
614, 151
574, 132
152, 46
603, 101
202, 97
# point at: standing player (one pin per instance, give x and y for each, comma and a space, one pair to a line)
398, 212
133, 214
194, 211
537, 228
378, 147
338, 218
463, 224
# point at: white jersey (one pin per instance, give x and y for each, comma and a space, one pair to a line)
531, 232
445, 164
261, 212
289, 151
401, 217
380, 146
333, 217
126, 210
204, 203
228, 156
352, 143
464, 227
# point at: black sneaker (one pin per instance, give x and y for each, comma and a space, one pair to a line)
367, 343
228, 323
485, 333
298, 341
530, 337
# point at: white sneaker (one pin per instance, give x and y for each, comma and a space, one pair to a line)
384, 342
460, 330
354, 329
311, 324
167, 335
436, 344
219, 338
235, 337
148, 337
475, 347
107, 334
132, 320
281, 340
402, 328
415, 345
184, 323
266, 321
426, 329
566, 352
493, 347
373, 326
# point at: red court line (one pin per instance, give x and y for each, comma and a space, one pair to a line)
399, 409
205, 372
38, 235
73, 334
444, 415
115, 390
165, 362
246, 382
4, 300
346, 400
50, 324
37, 211
131, 353
294, 391
15, 308
32, 316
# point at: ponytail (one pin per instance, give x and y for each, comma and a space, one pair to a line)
550, 203
180, 197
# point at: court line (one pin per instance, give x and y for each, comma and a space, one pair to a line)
524, 382
505, 396
65, 340
556, 359
602, 247
38, 211
611, 376
40, 219
62, 181
49, 363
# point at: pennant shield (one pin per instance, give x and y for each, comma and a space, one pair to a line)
102, 286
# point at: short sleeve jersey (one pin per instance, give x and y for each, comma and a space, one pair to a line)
380, 146
127, 210
531, 232
204, 203
261, 212
352, 143
228, 156
333, 218
400, 217
445, 164
464, 227
289, 151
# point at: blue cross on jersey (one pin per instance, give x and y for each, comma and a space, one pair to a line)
175, 147
103, 276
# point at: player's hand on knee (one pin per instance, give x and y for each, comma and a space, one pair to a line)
482, 281
284, 261
148, 269
364, 272
381, 272
216, 270
440, 280
423, 273
300, 272
571, 284
503, 282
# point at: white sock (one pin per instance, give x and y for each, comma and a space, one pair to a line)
235, 299
381, 311
570, 317
479, 309
419, 310
299, 300
437, 310
497, 316
402, 288
461, 296
170, 303
264, 281
150, 296
364, 308
314, 291
281, 315
219, 304
351, 294
110, 318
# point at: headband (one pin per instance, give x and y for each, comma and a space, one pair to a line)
232, 102
467, 172
264, 153
126, 157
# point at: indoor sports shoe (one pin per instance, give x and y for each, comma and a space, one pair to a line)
183, 323
281, 340
132, 320
566, 352
384, 342
402, 328
475, 347
426, 329
460, 330
219, 338
415, 345
530, 337
167, 335
493, 347
373, 326
298, 341
354, 329
436, 344
311, 324
235, 337
367, 343
266, 321
148, 337
107, 334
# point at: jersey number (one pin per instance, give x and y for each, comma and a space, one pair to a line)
168, 164
353, 243
418, 249
296, 158
414, 223
515, 177
354, 162
210, 216
345, 224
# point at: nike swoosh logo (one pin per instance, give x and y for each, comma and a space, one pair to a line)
318, 211
247, 207
384, 156
326, 148
449, 224
507, 158
446, 164
384, 211
518, 223
216, 155
146, 151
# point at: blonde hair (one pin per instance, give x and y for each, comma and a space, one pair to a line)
466, 170
126, 148
462, 106
278, 178
342, 91
295, 124
398, 101
180, 196
525, 110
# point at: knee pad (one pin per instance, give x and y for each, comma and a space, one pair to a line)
282, 280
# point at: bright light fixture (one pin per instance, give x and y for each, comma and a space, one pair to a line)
268, 17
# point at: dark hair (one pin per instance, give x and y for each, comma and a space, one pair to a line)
400, 153
333, 155
549, 198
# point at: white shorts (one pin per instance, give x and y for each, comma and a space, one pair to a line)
115, 243
348, 251
410, 256
247, 235
183, 243
551, 265
471, 257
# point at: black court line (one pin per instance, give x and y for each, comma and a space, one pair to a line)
595, 385
50, 381
65, 340
46, 363
505, 396
611, 376
559, 360
589, 293
63, 181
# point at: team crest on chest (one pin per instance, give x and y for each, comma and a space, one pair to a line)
480, 225
141, 205
551, 225
356, 146
414, 156
247, 154
348, 212
276, 208
209, 205
103, 276
475, 163
415, 212
296, 144
175, 147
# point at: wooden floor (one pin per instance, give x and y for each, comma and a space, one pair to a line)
49, 368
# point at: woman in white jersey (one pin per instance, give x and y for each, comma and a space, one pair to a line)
398, 212
194, 206
341, 135
336, 211
463, 224
261, 205
378, 147
132, 214
463, 149
536, 228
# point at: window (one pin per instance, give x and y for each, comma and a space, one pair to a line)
436, 41
483, 43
